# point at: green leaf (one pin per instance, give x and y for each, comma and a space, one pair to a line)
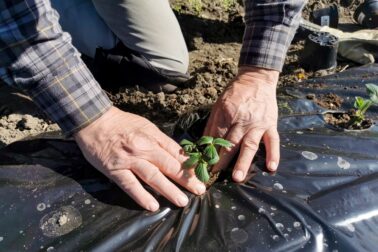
359, 102
372, 91
222, 142
188, 148
211, 155
205, 140
365, 106
192, 160
186, 142
202, 172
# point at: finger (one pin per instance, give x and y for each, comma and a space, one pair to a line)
217, 125
272, 146
126, 180
248, 150
226, 155
169, 166
211, 122
152, 176
169, 145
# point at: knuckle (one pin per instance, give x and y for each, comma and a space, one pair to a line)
151, 175
250, 144
128, 185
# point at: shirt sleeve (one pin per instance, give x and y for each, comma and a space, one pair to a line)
38, 57
270, 28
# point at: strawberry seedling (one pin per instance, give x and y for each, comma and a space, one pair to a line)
362, 105
203, 155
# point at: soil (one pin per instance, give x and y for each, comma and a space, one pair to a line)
213, 178
344, 121
213, 33
328, 101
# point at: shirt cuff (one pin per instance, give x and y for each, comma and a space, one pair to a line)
72, 99
265, 45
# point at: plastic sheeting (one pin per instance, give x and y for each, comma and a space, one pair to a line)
324, 196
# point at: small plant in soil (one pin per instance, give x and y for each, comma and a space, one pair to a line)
355, 118
203, 155
362, 105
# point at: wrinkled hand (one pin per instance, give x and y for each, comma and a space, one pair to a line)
244, 114
125, 147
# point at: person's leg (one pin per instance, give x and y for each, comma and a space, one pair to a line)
148, 27
88, 31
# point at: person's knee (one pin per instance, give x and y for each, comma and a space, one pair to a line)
179, 62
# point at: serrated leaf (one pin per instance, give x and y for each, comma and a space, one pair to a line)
192, 160
372, 91
201, 172
222, 142
359, 102
211, 155
186, 142
205, 140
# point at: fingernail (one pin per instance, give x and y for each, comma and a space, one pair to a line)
182, 200
272, 166
238, 175
153, 206
201, 188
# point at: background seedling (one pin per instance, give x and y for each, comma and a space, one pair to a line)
362, 105
203, 155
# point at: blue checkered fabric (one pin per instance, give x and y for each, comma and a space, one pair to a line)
270, 28
38, 57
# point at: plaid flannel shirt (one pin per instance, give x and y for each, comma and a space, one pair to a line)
270, 26
38, 57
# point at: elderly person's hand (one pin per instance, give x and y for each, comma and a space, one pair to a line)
126, 147
244, 114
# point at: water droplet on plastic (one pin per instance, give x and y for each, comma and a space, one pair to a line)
21, 231
241, 217
300, 132
265, 174
350, 227
273, 208
275, 237
261, 210
309, 155
272, 214
277, 186
216, 206
93, 216
286, 236
41, 207
280, 226
233, 207
1, 238
342, 163
87, 201
50, 249
297, 224
238, 235
289, 229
